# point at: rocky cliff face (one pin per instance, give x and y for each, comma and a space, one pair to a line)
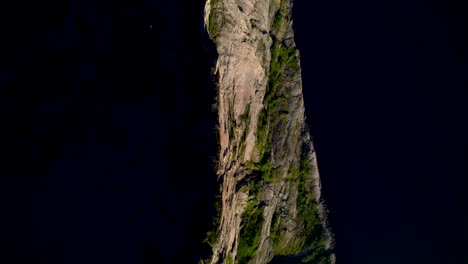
270, 208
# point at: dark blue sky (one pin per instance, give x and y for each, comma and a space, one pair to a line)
107, 132
385, 89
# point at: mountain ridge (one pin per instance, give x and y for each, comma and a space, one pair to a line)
270, 206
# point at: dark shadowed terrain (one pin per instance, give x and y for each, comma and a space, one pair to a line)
386, 94
107, 132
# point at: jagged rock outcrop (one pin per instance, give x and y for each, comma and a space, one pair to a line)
270, 207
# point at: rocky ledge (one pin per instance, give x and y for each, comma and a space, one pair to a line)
269, 208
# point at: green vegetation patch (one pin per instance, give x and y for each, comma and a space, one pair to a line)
216, 20
229, 259
276, 101
249, 237
307, 207
270, 123
212, 25
212, 236
275, 234
283, 64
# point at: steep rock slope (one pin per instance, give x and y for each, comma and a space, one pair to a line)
270, 208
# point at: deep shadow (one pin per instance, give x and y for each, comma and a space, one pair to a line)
385, 91
108, 133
